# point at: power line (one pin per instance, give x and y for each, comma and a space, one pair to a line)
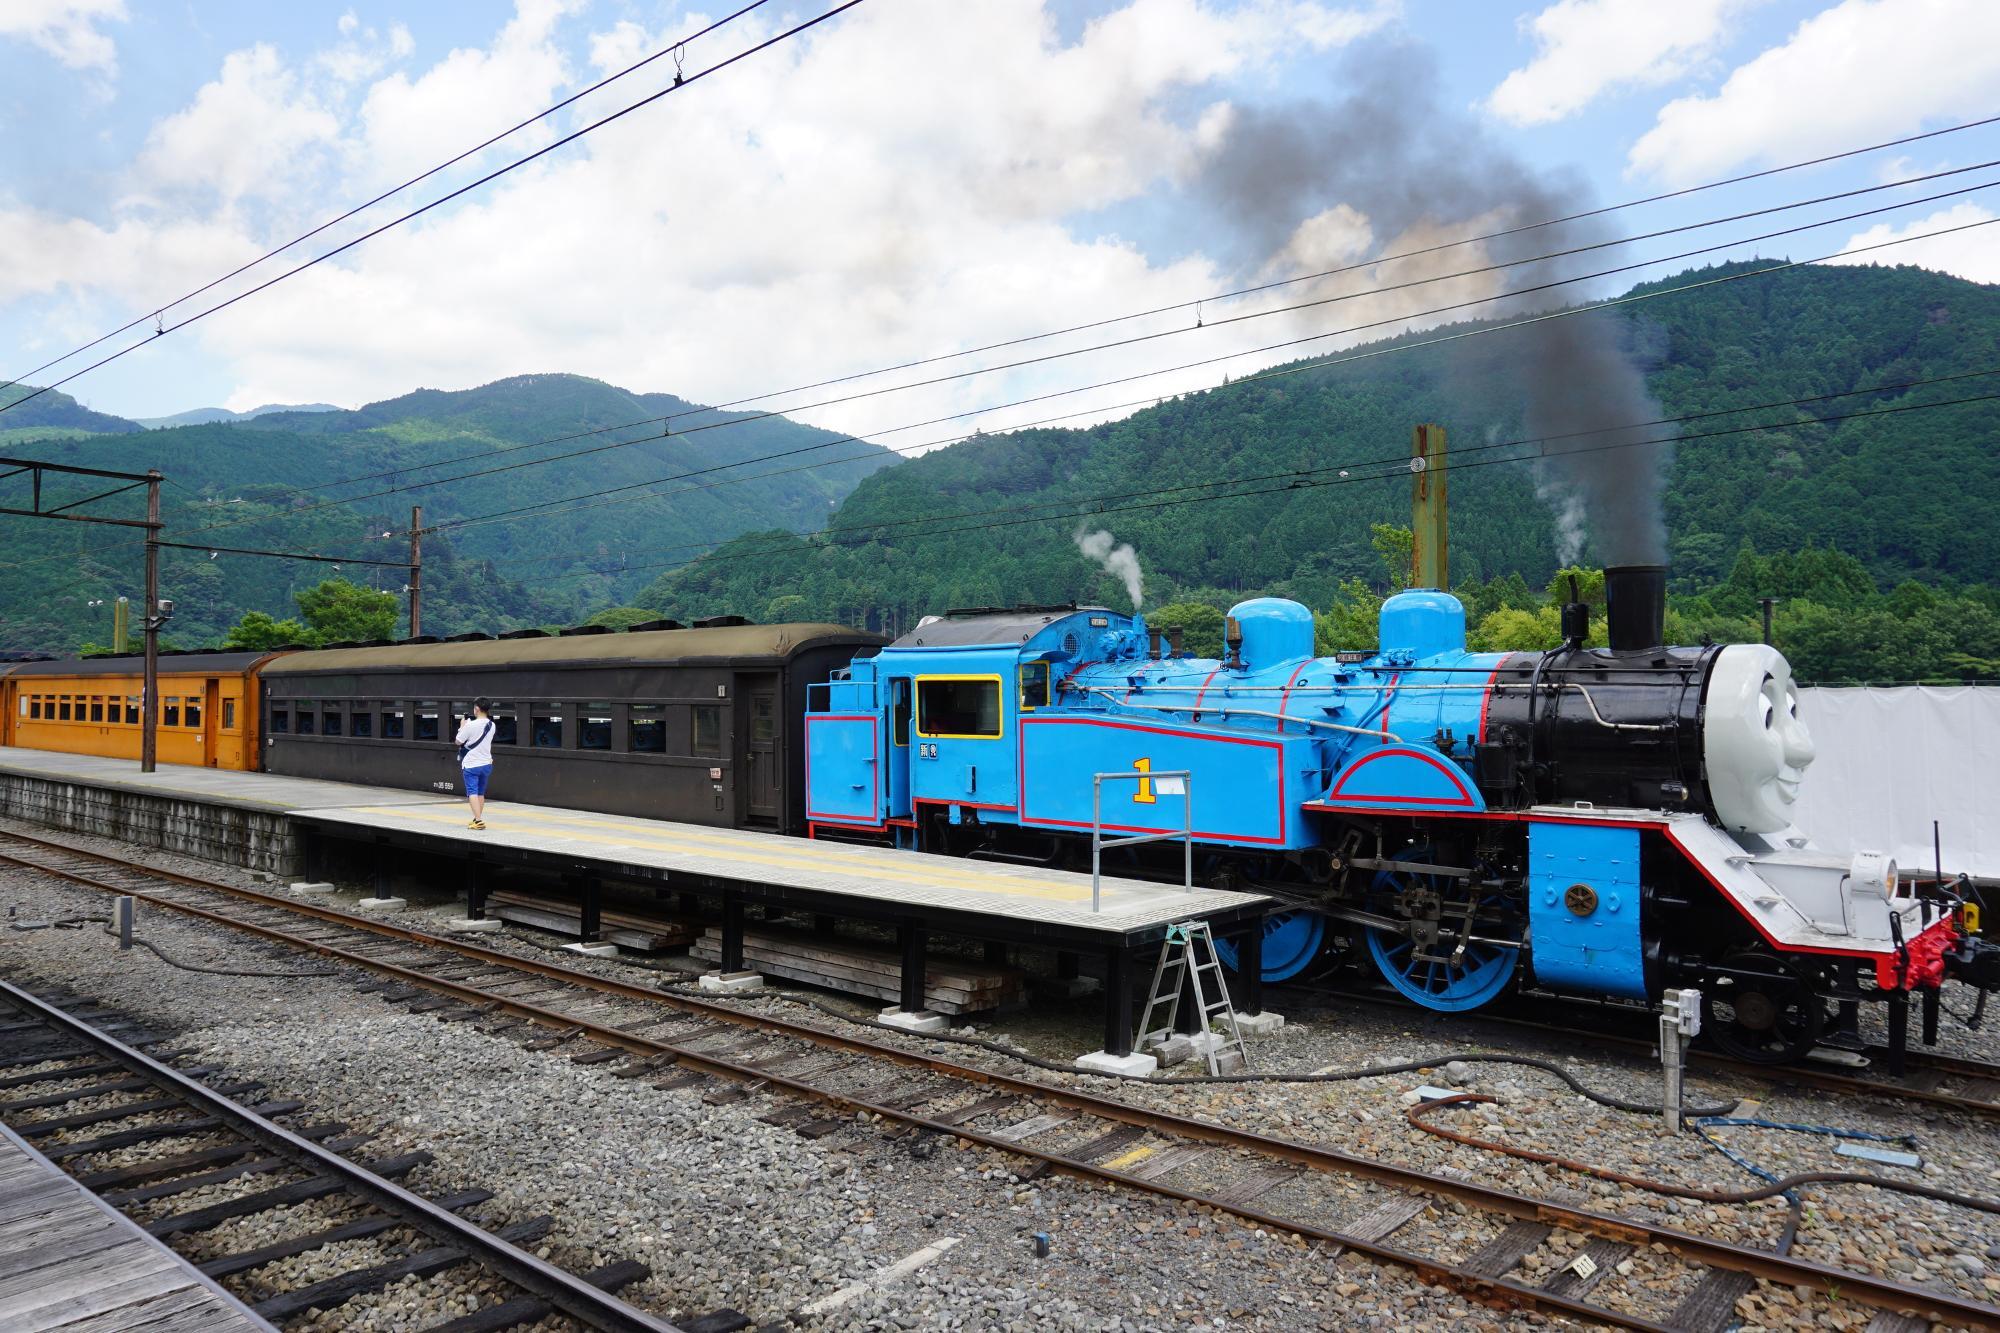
676, 86
1238, 292
1271, 373
667, 419
1192, 365
284, 555
544, 114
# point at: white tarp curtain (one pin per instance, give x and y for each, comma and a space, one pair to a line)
1891, 760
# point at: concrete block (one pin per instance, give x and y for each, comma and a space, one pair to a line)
1259, 1025
1061, 988
731, 983
594, 950
465, 925
312, 886
382, 904
922, 1020
1138, 1066
1174, 1050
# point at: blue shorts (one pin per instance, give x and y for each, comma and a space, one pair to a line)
475, 779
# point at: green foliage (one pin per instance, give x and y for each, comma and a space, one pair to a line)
1199, 623
339, 611
623, 617
259, 633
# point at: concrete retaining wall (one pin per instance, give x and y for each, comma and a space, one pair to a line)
231, 835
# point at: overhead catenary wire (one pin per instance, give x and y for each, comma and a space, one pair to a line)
1201, 363
678, 85
159, 310
666, 421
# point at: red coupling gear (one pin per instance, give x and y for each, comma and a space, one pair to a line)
1924, 969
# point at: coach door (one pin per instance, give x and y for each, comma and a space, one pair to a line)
763, 774
211, 721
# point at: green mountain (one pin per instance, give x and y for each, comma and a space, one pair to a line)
51, 414
256, 483
995, 519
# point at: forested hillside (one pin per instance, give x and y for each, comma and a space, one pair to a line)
258, 483
994, 520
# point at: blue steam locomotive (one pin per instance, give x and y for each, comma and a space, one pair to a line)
1607, 822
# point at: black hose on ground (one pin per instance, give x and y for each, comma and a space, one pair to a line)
79, 922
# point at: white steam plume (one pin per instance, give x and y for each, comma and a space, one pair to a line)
1121, 561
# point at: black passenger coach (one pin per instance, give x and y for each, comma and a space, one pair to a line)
696, 725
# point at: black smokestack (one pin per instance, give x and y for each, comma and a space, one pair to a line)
1381, 166
1635, 607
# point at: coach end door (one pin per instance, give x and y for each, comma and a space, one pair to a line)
763, 776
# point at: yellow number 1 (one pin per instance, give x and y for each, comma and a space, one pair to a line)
1144, 796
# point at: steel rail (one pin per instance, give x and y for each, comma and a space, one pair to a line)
595, 1307
1880, 1293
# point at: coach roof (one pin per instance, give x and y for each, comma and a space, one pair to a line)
731, 643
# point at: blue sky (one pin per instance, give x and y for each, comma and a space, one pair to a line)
916, 176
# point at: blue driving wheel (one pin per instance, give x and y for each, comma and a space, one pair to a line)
1291, 941
1479, 975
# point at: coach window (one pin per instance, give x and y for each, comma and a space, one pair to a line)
32, 705
304, 714
506, 725
96, 708
170, 713
361, 722
392, 723
427, 720
330, 720
192, 716
958, 706
281, 720
229, 715
62, 708
593, 726
649, 729
131, 710
707, 730
545, 727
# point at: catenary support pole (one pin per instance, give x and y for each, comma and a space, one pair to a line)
416, 570
149, 698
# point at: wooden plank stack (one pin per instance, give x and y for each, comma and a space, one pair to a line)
625, 929
951, 986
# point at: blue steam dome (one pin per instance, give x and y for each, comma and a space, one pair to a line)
1423, 623
1275, 629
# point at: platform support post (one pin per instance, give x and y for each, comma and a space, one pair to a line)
381, 869
1250, 969
1066, 966
1117, 999
996, 952
690, 903
1899, 1030
475, 889
911, 941
591, 924
732, 932
126, 905
1931, 1002
823, 926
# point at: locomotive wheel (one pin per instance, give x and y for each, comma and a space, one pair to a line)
1292, 940
1754, 1008
1478, 975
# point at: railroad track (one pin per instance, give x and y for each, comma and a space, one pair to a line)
1930, 1078
677, 1041
58, 1067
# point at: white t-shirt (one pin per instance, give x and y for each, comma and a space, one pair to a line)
477, 732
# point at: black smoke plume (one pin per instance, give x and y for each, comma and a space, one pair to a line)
1384, 145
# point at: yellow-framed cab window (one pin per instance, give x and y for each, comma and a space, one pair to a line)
1034, 686
960, 708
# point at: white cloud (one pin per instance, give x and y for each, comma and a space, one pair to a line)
787, 220
1974, 255
1859, 72
1587, 48
66, 29
251, 131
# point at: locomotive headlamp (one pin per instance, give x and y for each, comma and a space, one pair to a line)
1873, 874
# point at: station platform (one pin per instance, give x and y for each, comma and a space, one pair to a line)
919, 895
70, 1261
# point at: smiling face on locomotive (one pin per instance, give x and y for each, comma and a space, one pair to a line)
1755, 746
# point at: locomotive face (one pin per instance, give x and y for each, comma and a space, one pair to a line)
1755, 747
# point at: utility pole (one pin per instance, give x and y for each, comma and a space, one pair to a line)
1767, 603
416, 570
121, 625
149, 698
1430, 564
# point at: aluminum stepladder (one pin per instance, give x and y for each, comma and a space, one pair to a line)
1189, 952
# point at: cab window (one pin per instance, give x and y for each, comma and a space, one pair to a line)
1034, 685
958, 708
